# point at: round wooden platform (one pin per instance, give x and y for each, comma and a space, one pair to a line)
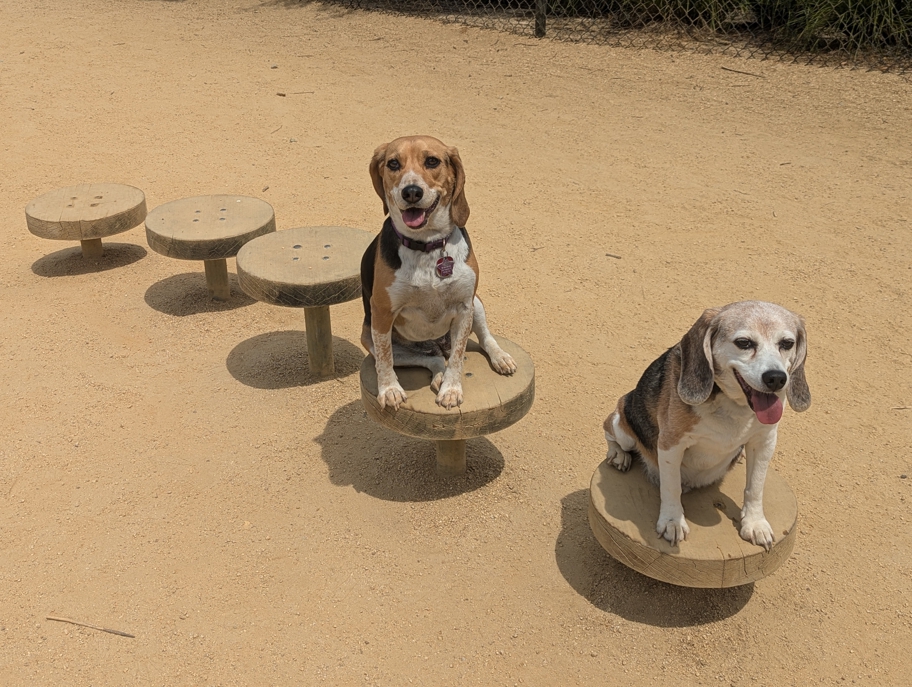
491, 402
207, 227
86, 213
307, 267
624, 507
211, 229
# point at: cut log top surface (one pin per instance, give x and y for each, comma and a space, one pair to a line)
491, 401
624, 508
304, 267
86, 211
207, 227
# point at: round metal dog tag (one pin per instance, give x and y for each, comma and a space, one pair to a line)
445, 267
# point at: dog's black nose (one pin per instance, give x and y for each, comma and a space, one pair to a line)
412, 193
774, 379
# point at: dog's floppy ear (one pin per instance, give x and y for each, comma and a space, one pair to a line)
696, 382
459, 208
797, 391
376, 177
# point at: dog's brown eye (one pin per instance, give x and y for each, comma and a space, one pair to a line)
744, 344
393, 165
786, 344
432, 162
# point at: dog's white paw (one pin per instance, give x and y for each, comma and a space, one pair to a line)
673, 528
503, 363
450, 396
393, 396
436, 382
618, 457
757, 531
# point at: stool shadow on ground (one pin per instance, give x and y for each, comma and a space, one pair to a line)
615, 588
70, 261
393, 467
278, 360
187, 294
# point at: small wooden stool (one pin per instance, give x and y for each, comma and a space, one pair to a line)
311, 268
86, 213
624, 507
211, 229
492, 402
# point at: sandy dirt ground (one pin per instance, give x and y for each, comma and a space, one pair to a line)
170, 468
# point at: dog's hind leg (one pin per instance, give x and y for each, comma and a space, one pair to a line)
404, 356
501, 361
620, 444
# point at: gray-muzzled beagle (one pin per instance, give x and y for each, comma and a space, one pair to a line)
718, 392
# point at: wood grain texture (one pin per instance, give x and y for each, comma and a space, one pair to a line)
86, 211
451, 457
304, 267
624, 507
318, 328
491, 401
92, 248
207, 227
217, 279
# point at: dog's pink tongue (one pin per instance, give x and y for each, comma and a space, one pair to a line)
413, 217
768, 407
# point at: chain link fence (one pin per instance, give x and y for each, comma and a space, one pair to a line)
872, 34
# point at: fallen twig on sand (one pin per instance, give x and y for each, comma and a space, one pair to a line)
738, 71
94, 627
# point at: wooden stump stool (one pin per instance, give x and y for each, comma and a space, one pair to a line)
491, 402
624, 507
311, 268
211, 229
86, 213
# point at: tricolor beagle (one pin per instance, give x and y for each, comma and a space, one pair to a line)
419, 275
715, 394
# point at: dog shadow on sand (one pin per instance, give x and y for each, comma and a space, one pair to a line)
393, 467
615, 588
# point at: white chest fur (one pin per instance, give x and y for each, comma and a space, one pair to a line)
424, 303
724, 427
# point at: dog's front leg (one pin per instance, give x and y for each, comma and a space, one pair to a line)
758, 454
389, 391
450, 394
671, 524
501, 361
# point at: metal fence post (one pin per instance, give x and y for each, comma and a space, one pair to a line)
541, 13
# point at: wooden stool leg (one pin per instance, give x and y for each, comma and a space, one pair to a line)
92, 248
217, 279
451, 457
319, 340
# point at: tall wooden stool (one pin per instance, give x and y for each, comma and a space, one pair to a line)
311, 268
211, 229
86, 213
491, 402
624, 507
